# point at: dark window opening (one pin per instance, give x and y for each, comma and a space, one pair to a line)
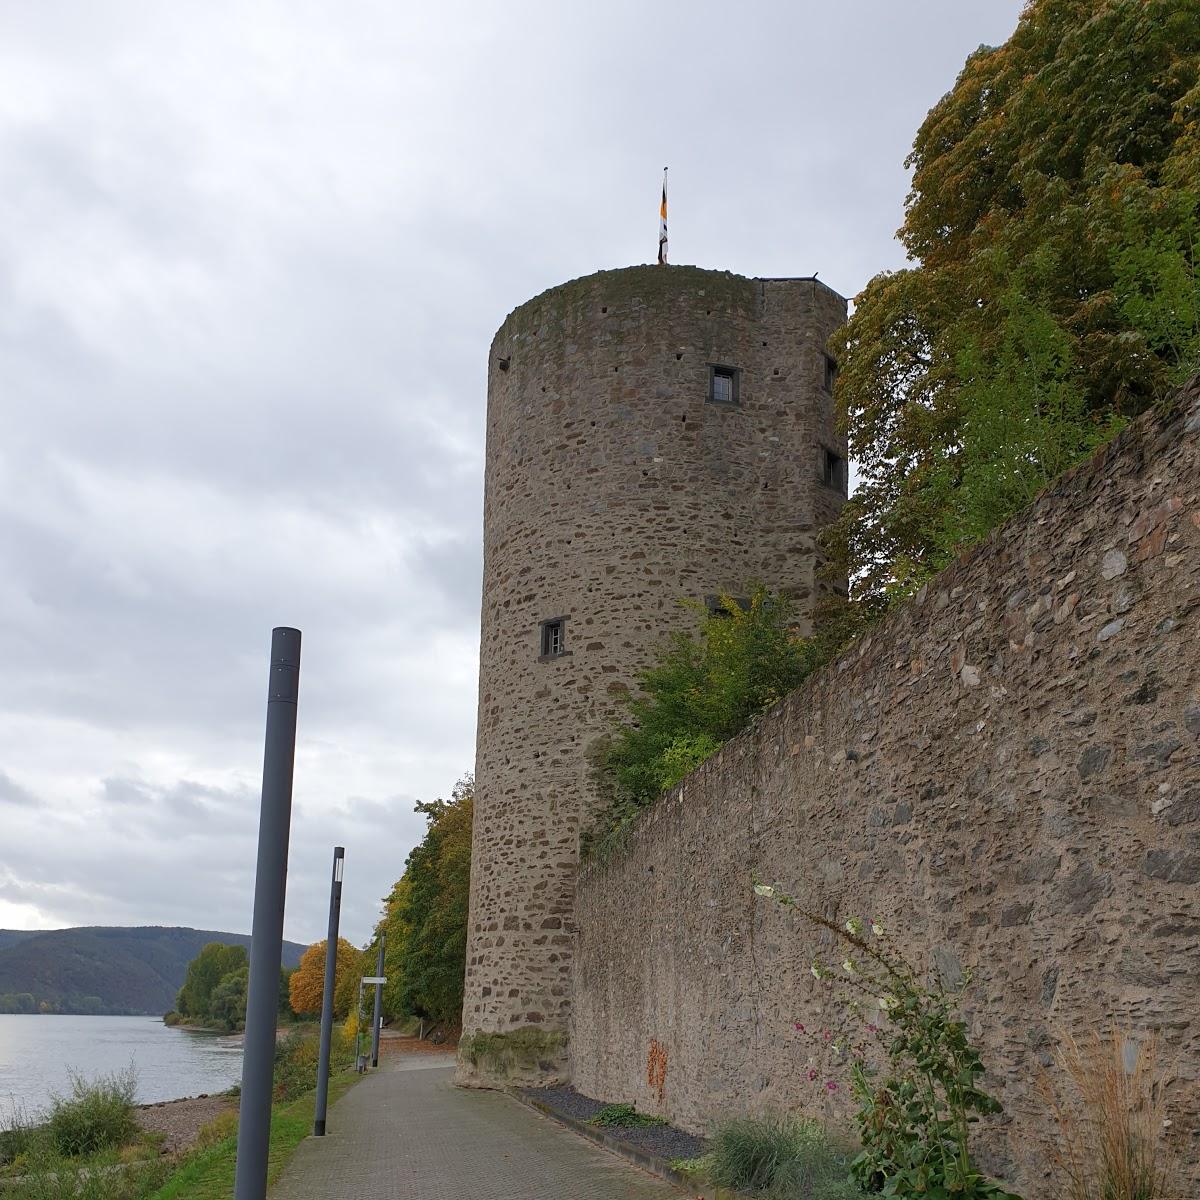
716, 608
553, 638
830, 373
723, 384
833, 470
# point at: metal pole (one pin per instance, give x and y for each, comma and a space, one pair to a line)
266, 943
377, 1022
331, 941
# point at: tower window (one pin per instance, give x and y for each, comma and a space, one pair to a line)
722, 384
830, 373
833, 470
553, 641
716, 608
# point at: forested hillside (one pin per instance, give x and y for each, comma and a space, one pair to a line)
103, 969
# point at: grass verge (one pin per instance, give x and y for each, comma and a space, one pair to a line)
209, 1175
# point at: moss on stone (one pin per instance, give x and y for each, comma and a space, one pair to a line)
504, 1054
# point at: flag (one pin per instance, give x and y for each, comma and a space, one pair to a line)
662, 225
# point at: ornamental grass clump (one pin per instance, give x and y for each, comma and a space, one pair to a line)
904, 1051
782, 1157
1111, 1140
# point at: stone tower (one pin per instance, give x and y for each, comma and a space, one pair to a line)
654, 434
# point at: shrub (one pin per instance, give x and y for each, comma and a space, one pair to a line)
782, 1157
624, 1116
96, 1116
296, 1058
171, 1018
17, 1135
1111, 1138
703, 689
913, 1116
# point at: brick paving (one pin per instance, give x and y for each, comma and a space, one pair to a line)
406, 1133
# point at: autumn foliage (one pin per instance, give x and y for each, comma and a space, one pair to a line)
307, 983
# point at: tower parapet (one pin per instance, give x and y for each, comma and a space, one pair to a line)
654, 434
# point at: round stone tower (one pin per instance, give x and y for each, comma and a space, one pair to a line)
654, 434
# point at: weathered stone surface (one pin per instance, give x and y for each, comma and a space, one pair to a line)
614, 490
1033, 851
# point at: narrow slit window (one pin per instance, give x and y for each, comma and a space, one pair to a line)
723, 384
554, 638
833, 470
830, 373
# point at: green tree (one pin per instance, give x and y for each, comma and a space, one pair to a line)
1052, 224
394, 924
425, 916
285, 998
702, 690
227, 1005
204, 974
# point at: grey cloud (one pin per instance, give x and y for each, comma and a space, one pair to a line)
11, 792
251, 260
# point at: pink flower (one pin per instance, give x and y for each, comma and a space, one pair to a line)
830, 1086
872, 1028
800, 1028
826, 1034
811, 1076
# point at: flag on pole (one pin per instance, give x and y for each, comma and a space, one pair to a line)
662, 224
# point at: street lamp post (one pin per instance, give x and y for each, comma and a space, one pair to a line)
331, 941
266, 943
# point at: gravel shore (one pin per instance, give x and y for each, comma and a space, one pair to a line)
181, 1120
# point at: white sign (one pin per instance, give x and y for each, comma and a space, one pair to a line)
374, 979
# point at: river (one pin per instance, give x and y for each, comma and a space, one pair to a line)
39, 1054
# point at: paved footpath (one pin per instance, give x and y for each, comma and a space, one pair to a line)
406, 1133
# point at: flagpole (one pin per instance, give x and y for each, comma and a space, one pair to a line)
662, 224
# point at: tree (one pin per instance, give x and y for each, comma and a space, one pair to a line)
205, 972
395, 925
227, 1006
306, 987
439, 885
1054, 227
425, 916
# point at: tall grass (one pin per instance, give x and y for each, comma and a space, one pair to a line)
1111, 1142
783, 1157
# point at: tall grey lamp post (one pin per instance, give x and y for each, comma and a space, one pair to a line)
331, 941
266, 943
377, 1020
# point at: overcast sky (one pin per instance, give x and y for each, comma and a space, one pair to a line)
251, 259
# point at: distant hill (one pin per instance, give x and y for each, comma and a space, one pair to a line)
106, 969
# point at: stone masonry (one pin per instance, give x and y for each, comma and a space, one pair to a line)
1006, 773
617, 487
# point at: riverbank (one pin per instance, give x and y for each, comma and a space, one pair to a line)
179, 1122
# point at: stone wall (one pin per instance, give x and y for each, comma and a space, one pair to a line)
1006, 773
614, 490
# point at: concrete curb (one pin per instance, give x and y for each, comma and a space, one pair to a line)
648, 1162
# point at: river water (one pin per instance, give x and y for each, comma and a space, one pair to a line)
38, 1055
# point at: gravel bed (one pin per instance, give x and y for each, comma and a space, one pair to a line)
181, 1120
663, 1141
